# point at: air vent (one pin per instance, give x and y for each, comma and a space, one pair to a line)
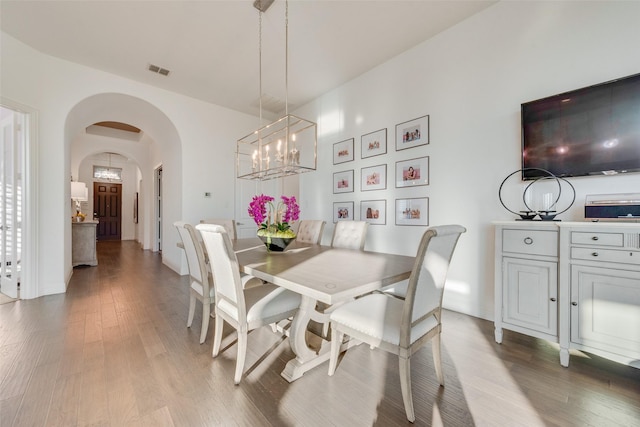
158, 70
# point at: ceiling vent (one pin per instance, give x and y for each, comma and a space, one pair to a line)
158, 70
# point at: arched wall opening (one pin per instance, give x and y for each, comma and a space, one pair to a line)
133, 217
160, 145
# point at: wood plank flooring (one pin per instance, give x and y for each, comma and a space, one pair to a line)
115, 351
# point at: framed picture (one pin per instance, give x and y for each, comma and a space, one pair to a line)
343, 182
373, 178
413, 172
373, 144
412, 211
342, 211
343, 151
412, 133
374, 211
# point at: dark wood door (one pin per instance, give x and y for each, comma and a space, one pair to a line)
107, 208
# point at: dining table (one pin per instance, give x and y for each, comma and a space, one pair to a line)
323, 274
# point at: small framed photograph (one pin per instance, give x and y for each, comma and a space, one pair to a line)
412, 211
373, 178
343, 151
412, 133
342, 211
374, 144
343, 182
374, 211
412, 172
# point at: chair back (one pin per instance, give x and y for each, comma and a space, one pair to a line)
426, 283
228, 224
310, 231
226, 272
195, 255
349, 234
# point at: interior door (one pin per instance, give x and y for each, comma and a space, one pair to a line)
107, 208
158, 210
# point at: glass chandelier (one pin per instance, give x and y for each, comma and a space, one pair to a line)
285, 147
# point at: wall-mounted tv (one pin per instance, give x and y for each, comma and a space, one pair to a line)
589, 131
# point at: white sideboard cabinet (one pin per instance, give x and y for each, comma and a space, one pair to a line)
574, 283
83, 243
526, 291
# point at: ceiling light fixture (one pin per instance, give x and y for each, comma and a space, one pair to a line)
285, 147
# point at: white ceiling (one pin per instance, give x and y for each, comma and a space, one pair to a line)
211, 46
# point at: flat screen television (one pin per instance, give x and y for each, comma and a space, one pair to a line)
589, 131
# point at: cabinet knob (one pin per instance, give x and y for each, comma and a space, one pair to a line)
553, 300
528, 240
574, 304
594, 238
595, 254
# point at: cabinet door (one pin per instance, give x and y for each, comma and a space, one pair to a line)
605, 309
83, 244
530, 291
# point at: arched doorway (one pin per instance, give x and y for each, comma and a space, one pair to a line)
102, 172
158, 144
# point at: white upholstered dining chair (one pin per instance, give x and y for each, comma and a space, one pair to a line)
228, 224
201, 286
310, 231
398, 326
349, 234
244, 309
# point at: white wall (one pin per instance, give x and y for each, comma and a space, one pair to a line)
471, 80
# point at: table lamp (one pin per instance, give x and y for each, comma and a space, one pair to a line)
79, 193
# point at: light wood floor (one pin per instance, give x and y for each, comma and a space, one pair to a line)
115, 350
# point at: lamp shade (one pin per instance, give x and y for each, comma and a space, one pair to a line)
79, 191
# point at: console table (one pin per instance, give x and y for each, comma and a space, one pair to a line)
83, 243
574, 283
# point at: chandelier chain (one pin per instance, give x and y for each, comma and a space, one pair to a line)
260, 61
286, 57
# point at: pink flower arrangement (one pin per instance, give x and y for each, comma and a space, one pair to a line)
274, 220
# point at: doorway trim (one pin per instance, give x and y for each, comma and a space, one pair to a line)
157, 208
30, 232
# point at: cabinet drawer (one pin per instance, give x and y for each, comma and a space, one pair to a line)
599, 239
606, 255
533, 242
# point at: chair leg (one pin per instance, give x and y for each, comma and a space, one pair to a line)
192, 309
242, 353
206, 312
437, 358
217, 335
336, 341
405, 385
